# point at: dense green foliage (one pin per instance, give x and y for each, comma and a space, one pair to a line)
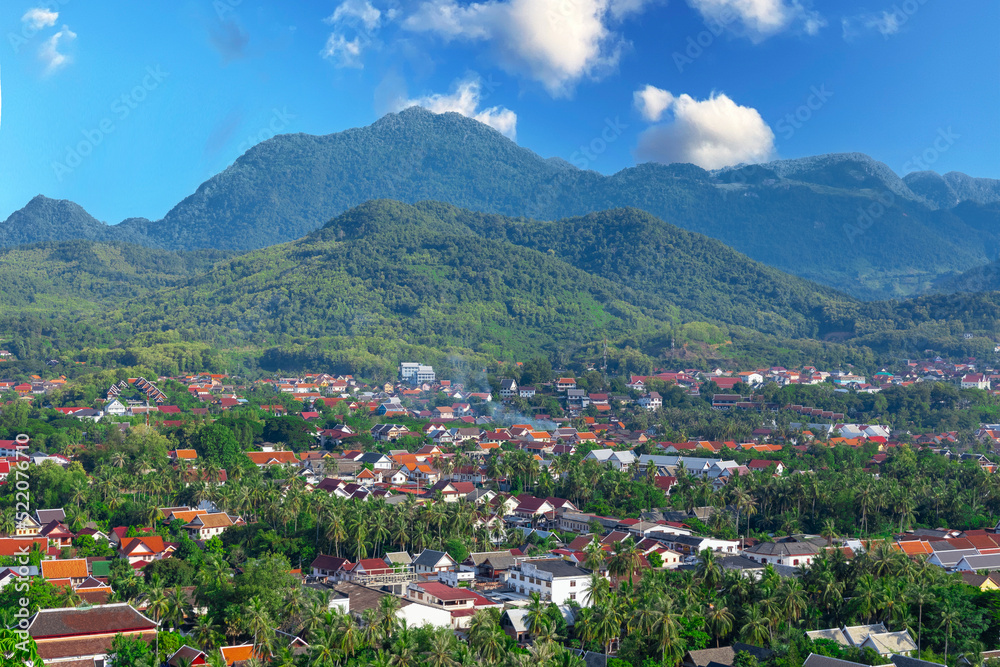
71, 276
842, 220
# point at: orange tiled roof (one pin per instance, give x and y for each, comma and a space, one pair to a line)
65, 569
237, 653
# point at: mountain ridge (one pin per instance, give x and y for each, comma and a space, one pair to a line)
289, 185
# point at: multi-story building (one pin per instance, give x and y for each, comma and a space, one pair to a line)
554, 579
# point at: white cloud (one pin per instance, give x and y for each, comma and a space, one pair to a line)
652, 102
357, 10
50, 54
760, 19
343, 52
465, 100
554, 42
885, 23
711, 133
40, 17
362, 19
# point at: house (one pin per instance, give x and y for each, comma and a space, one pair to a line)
376, 460
762, 465
461, 603
975, 563
618, 460
452, 491
388, 432
554, 580
86, 633
565, 384
975, 381
265, 459
75, 570
718, 657
508, 388
207, 526
816, 660
143, 549
186, 656
329, 566
366, 568
890, 643
57, 534
433, 561
794, 554
526, 392
238, 654
489, 565
651, 401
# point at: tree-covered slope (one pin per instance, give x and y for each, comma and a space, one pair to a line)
439, 275
844, 220
68, 277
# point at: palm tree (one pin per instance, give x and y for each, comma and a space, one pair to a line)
666, 629
708, 569
388, 605
404, 650
598, 589
756, 628
920, 596
626, 560
606, 625
177, 608
949, 617
204, 631
259, 623
595, 555
441, 649
536, 617
720, 620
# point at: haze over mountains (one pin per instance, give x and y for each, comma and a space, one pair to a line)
843, 220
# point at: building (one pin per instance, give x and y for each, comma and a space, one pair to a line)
975, 381
794, 554
554, 580
207, 526
416, 373
508, 388
430, 561
461, 603
86, 633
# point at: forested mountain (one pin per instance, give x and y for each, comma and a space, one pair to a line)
67, 277
842, 220
388, 280
441, 276
44, 219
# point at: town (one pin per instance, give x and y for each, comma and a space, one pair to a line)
315, 519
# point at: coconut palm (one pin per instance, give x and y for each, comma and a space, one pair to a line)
720, 620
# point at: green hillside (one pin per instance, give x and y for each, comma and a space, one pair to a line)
843, 220
73, 277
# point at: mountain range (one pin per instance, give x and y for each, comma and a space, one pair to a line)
388, 280
842, 220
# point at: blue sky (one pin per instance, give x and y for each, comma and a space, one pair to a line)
126, 108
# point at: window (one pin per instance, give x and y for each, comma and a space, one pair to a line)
572, 584
572, 596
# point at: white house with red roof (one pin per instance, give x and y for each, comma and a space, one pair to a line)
462, 603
